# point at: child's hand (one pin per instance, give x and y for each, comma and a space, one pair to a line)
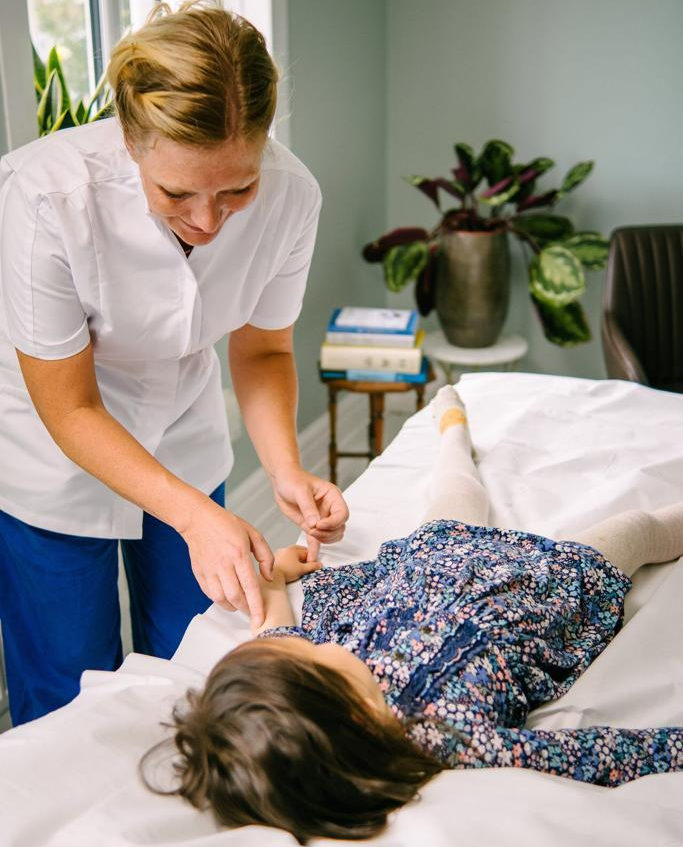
291, 562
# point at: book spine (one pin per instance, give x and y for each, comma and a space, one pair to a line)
381, 359
373, 376
368, 339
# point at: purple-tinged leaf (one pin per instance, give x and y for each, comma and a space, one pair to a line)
426, 186
376, 250
497, 188
536, 200
457, 189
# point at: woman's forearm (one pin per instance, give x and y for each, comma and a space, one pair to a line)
266, 387
99, 444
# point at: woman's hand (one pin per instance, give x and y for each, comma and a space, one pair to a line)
221, 547
313, 504
293, 562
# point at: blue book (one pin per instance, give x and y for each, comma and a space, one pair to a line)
379, 376
372, 327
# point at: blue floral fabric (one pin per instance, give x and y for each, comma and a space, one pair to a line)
466, 629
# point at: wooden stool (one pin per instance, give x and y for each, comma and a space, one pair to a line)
375, 392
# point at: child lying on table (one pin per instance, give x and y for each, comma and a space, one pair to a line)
429, 657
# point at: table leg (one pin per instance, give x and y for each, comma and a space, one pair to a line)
376, 428
332, 449
420, 391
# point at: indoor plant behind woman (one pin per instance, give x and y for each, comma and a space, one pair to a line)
462, 265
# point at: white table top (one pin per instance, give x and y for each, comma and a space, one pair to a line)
508, 348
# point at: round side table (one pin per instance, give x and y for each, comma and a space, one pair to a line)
453, 360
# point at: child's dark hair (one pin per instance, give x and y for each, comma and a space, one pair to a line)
282, 741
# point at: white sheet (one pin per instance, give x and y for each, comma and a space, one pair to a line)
556, 455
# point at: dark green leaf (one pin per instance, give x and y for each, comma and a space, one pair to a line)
556, 277
403, 263
544, 227
576, 176
590, 248
540, 165
563, 325
465, 155
79, 115
496, 160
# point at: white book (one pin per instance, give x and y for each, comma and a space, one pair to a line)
340, 357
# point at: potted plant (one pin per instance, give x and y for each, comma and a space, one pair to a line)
55, 109
461, 267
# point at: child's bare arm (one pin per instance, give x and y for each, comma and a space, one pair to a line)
290, 565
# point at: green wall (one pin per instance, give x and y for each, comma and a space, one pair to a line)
587, 79
337, 63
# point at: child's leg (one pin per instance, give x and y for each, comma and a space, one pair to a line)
637, 538
457, 491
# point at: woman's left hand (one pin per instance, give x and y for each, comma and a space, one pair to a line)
313, 504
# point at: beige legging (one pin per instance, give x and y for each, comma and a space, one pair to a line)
628, 540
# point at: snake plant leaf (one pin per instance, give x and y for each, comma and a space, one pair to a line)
501, 193
575, 176
563, 325
106, 111
39, 73
403, 263
54, 64
496, 160
543, 228
590, 248
79, 114
92, 102
556, 276
426, 186
64, 121
45, 112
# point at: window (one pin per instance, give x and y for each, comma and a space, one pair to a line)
84, 31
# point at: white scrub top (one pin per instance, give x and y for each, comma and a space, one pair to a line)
81, 258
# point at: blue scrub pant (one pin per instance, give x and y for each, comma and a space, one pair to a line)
59, 605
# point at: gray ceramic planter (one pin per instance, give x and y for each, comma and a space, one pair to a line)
473, 287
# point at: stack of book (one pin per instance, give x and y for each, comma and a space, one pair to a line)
374, 345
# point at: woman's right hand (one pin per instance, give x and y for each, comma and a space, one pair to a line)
221, 546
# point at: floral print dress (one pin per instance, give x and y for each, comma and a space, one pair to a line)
466, 629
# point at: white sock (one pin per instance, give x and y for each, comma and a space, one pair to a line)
636, 538
457, 491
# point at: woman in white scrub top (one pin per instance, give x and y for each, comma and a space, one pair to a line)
128, 248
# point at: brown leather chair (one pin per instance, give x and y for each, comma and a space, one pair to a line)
642, 320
